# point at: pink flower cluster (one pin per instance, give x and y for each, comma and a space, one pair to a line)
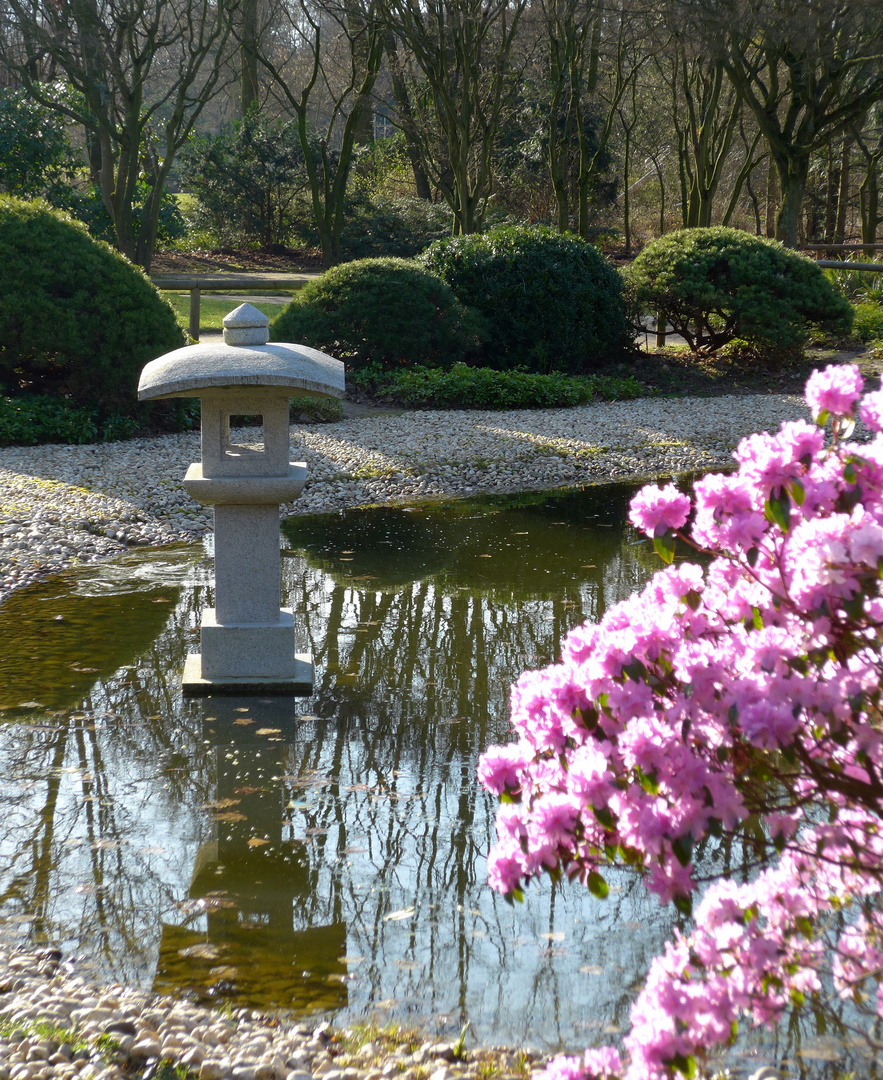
749, 688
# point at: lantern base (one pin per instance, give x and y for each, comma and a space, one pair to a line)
300, 684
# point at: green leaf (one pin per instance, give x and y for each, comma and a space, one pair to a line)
797, 492
598, 886
823, 417
604, 816
778, 509
752, 556
804, 927
636, 670
682, 846
684, 905
692, 599
684, 1065
665, 546
757, 619
648, 781
854, 607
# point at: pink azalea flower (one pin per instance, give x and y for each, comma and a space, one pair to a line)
655, 510
834, 390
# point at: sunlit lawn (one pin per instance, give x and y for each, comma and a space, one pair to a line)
212, 310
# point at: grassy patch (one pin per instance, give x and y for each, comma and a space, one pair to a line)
212, 311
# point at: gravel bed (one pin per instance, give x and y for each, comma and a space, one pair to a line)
62, 506
54, 1025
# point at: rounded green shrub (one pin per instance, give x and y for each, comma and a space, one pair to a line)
714, 285
77, 320
551, 302
387, 311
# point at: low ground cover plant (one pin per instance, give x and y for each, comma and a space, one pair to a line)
743, 700
464, 387
391, 312
40, 418
867, 323
550, 302
77, 320
717, 284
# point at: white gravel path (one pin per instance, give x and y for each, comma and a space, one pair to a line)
61, 506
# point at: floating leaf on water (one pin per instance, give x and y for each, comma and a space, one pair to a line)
242, 722
231, 815
257, 841
479, 934
151, 850
245, 791
556, 935
30, 705
397, 916
268, 731
224, 973
351, 960
315, 832
239, 708
205, 903
105, 845
353, 851
220, 804
406, 965
591, 969
200, 952
160, 600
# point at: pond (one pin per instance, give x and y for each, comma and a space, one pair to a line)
322, 855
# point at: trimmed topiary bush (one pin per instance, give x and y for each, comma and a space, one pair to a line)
387, 311
77, 320
552, 302
714, 285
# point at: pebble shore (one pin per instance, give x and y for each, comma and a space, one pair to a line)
62, 506
54, 1025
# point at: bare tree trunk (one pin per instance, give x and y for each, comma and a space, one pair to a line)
406, 117
843, 192
772, 200
249, 92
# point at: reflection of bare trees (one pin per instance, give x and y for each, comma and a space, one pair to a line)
357, 834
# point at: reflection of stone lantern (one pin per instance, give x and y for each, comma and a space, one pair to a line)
247, 640
256, 925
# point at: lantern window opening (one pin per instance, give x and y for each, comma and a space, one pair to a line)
256, 441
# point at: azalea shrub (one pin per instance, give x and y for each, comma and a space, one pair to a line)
741, 699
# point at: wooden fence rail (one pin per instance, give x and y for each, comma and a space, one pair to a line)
197, 284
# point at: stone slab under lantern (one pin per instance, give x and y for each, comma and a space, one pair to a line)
247, 639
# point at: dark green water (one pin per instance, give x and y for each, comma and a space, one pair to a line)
325, 854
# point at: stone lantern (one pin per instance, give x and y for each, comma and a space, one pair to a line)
247, 639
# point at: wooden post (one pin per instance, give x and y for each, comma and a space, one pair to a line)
660, 330
195, 296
